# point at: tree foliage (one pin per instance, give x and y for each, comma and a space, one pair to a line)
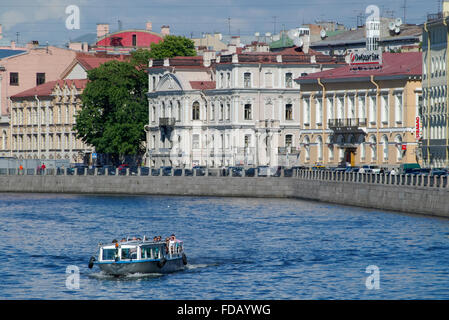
114, 109
172, 46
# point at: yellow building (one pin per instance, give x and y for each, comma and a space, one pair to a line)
362, 116
42, 120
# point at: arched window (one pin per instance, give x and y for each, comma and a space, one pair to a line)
373, 144
307, 148
319, 150
385, 147
196, 111
398, 141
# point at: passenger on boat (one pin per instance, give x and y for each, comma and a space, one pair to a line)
123, 240
155, 239
167, 244
114, 241
159, 238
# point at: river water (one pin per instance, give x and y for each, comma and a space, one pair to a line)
237, 248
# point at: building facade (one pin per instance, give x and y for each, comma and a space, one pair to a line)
237, 109
434, 112
362, 116
42, 120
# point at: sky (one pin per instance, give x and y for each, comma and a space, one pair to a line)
45, 20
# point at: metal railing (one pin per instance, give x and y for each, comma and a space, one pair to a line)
406, 180
348, 122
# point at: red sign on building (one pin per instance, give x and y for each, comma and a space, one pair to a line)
418, 128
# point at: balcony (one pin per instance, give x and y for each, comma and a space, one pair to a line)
346, 124
167, 122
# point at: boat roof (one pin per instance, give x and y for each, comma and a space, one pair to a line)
135, 242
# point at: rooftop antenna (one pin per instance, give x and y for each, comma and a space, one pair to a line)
404, 6
229, 25
274, 24
17, 36
120, 26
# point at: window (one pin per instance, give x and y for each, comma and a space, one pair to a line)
319, 111
384, 110
362, 108
134, 40
247, 80
247, 141
372, 110
288, 140
330, 109
248, 115
288, 80
306, 110
40, 78
351, 107
178, 118
288, 112
398, 105
108, 254
196, 111
268, 80
196, 141
14, 79
228, 111
221, 114
340, 108
212, 112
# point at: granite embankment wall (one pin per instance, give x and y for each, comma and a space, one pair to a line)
376, 193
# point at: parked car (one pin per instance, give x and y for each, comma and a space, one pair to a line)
371, 169
250, 172
406, 168
166, 170
200, 170
438, 172
236, 171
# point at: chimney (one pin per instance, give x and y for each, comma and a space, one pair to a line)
149, 26
102, 29
235, 40
165, 30
1, 32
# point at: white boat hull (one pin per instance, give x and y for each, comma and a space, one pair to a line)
141, 266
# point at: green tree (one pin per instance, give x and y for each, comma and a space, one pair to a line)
114, 110
172, 46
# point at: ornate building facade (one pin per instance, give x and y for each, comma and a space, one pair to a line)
229, 110
42, 120
362, 116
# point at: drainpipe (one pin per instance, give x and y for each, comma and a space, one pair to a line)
447, 90
377, 115
324, 106
38, 126
428, 89
207, 131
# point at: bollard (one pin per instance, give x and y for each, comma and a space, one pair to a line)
160, 172
127, 172
96, 172
139, 171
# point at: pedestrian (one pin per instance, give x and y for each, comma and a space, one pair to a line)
20, 169
393, 172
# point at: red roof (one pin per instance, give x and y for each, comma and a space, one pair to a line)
203, 85
393, 64
47, 88
90, 62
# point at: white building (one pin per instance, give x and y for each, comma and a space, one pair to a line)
235, 109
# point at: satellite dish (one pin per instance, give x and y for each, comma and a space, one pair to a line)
397, 30
323, 33
392, 25
298, 42
398, 22
293, 34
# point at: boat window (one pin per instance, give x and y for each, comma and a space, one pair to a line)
108, 254
146, 253
125, 253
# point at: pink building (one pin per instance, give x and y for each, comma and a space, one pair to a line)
26, 70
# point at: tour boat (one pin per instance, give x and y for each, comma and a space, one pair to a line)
140, 256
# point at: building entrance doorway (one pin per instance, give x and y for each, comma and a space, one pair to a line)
350, 156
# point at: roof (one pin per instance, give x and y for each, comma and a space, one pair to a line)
8, 53
47, 88
203, 85
359, 35
89, 61
292, 55
394, 65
